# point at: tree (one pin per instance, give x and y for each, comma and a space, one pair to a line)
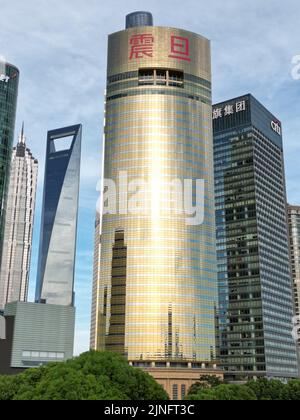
8, 388
266, 389
291, 391
205, 382
91, 376
225, 393
202, 394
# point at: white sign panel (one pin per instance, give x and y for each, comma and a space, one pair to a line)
4, 78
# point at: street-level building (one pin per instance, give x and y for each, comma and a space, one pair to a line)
34, 335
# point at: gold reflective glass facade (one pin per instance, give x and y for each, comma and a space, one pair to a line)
158, 127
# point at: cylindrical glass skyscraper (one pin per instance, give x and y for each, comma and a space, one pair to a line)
156, 293
9, 81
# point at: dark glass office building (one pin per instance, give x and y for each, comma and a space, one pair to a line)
255, 285
9, 81
55, 279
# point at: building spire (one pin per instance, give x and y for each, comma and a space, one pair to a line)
22, 138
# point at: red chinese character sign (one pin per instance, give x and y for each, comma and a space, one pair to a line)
180, 48
141, 46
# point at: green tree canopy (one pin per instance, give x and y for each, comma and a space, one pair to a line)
266, 389
292, 391
224, 393
205, 382
91, 376
261, 389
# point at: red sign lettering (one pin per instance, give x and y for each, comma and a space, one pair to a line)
141, 46
180, 48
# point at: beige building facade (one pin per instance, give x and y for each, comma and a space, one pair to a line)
177, 382
294, 232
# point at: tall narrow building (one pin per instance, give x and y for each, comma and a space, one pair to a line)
43, 332
96, 280
56, 265
255, 284
15, 264
156, 294
294, 230
9, 82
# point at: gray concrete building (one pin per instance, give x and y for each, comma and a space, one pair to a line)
34, 335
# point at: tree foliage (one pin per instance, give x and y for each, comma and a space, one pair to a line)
91, 376
262, 389
224, 393
265, 389
205, 382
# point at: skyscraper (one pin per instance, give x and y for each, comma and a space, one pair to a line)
155, 298
255, 286
96, 279
43, 332
55, 279
15, 264
9, 81
294, 231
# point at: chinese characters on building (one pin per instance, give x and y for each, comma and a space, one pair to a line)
142, 46
4, 78
229, 110
180, 48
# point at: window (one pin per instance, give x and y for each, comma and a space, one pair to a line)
43, 355
176, 78
175, 392
183, 391
60, 355
161, 77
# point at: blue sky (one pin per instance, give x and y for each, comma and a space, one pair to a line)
60, 49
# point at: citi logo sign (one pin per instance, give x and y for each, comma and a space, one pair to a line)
4, 78
276, 127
